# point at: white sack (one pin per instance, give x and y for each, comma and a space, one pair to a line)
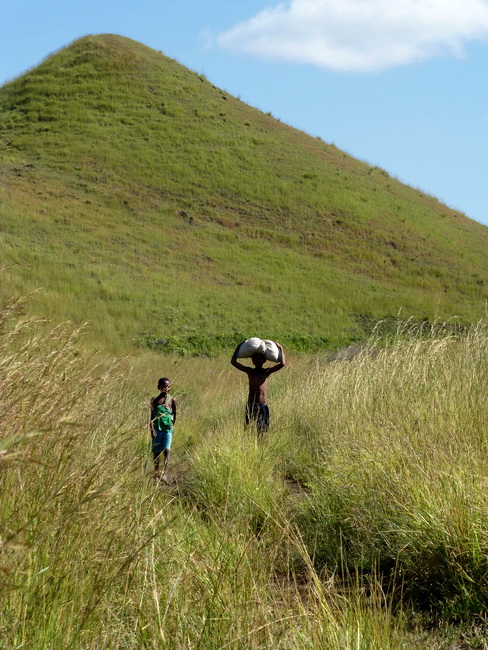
272, 352
254, 345
251, 346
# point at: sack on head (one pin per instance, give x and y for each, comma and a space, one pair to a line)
272, 351
255, 345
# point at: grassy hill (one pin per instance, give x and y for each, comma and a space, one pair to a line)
137, 195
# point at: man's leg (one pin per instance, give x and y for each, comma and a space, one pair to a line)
262, 420
253, 415
249, 414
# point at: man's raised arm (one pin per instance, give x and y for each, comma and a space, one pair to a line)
281, 362
234, 361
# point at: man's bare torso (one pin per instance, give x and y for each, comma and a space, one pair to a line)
258, 376
258, 385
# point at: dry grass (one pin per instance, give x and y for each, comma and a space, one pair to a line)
372, 474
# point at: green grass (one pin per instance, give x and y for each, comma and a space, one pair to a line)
358, 522
136, 197
140, 197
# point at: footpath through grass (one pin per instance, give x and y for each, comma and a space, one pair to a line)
359, 522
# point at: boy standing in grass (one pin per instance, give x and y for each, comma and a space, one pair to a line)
257, 410
161, 422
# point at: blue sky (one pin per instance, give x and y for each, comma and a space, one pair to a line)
398, 83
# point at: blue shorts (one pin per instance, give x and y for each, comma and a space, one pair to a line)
162, 440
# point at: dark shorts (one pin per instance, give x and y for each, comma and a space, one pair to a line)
258, 414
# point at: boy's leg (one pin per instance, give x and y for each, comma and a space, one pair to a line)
167, 450
156, 455
166, 453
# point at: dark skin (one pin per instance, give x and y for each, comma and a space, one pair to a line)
163, 398
258, 376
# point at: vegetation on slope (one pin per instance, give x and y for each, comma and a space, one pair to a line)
357, 523
137, 195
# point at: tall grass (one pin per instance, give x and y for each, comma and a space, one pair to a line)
360, 515
401, 482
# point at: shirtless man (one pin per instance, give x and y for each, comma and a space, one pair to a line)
257, 405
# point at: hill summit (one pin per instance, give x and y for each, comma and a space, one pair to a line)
139, 196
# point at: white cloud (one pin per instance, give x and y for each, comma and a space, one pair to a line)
360, 35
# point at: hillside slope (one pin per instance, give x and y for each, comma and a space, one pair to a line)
140, 197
